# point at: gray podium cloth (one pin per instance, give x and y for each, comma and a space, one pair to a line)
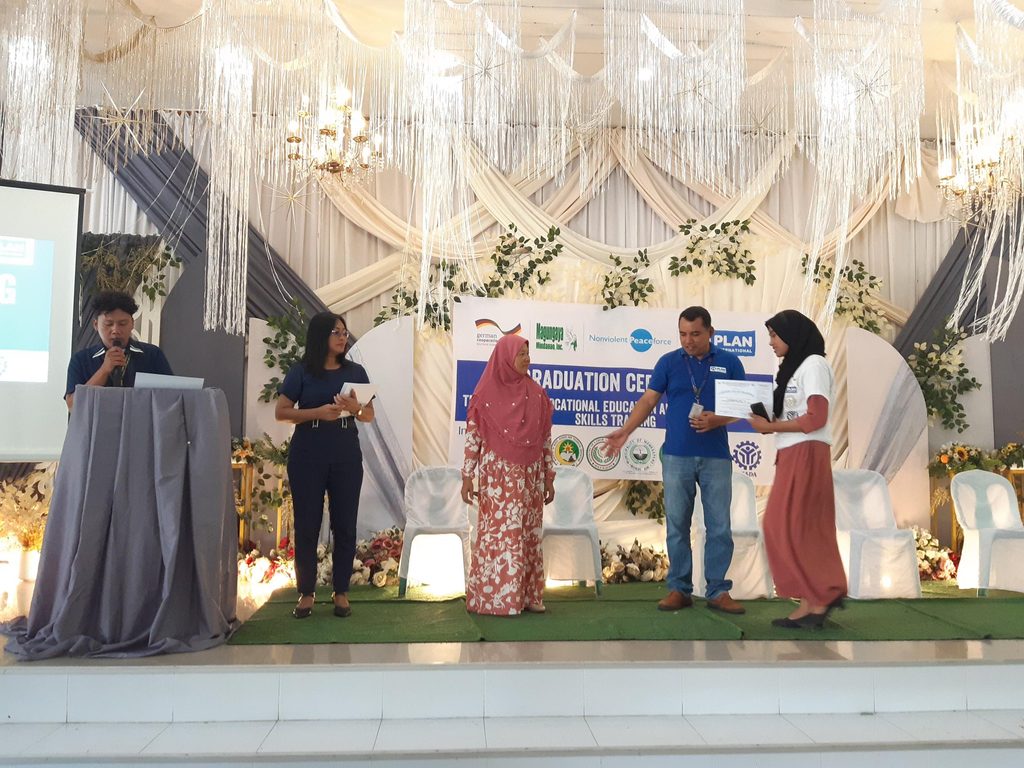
140, 551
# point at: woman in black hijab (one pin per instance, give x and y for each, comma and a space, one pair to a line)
800, 521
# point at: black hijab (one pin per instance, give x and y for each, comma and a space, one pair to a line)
803, 338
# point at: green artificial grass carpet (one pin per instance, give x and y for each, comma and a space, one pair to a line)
624, 612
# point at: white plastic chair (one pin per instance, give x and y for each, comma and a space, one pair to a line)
433, 506
993, 554
572, 513
880, 559
751, 578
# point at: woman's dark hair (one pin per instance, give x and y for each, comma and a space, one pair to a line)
318, 334
803, 339
690, 314
109, 301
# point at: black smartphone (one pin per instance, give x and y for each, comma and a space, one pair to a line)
758, 409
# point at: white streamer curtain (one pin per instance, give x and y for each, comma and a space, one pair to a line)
352, 245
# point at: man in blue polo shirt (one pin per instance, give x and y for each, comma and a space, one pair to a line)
696, 453
115, 361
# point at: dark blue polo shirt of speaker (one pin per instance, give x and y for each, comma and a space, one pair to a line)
142, 358
325, 440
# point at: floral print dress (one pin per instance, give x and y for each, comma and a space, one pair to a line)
507, 570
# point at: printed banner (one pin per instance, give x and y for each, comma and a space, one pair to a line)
595, 365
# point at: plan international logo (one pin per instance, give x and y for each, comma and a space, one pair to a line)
556, 338
741, 343
488, 332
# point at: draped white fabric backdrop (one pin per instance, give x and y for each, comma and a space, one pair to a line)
350, 245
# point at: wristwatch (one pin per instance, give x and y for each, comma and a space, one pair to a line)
359, 413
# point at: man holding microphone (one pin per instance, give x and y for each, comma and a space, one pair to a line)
115, 361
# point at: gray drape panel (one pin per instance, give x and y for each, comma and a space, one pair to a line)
139, 556
382, 466
890, 445
171, 188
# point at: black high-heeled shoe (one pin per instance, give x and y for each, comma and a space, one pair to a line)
302, 613
807, 621
342, 611
838, 604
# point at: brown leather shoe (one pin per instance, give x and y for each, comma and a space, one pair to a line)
726, 604
675, 601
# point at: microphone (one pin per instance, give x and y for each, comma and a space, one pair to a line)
117, 375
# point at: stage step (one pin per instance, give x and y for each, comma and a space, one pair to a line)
992, 739
508, 704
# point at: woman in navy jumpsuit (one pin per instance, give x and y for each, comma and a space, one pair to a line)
324, 457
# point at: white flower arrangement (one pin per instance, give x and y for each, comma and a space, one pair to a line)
638, 563
934, 562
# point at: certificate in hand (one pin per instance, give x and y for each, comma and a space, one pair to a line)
364, 393
733, 398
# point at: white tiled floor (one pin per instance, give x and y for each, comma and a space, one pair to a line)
898, 739
652, 732
179, 739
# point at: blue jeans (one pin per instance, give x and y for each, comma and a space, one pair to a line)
682, 475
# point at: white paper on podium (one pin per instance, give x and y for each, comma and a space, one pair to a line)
733, 398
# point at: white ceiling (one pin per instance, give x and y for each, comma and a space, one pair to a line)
768, 27
769, 23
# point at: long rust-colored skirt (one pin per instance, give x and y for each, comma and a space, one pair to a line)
800, 526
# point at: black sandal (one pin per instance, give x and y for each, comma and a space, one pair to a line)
341, 611
303, 613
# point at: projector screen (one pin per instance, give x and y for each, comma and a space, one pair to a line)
40, 237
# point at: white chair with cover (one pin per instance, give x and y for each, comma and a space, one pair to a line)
748, 571
434, 506
572, 514
993, 554
880, 559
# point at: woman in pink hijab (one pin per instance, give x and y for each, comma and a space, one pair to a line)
508, 446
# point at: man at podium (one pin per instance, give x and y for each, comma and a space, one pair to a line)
115, 361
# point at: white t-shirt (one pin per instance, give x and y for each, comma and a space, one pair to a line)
813, 377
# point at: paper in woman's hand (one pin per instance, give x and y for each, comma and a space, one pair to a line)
364, 393
733, 398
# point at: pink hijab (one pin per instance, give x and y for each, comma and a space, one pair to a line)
511, 411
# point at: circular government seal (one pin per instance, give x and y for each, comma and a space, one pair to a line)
568, 450
597, 458
639, 454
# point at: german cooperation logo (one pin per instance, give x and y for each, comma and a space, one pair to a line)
597, 458
640, 454
488, 331
568, 450
747, 456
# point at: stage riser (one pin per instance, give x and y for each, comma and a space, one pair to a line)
121, 693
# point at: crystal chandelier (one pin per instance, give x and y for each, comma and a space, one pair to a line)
336, 142
978, 173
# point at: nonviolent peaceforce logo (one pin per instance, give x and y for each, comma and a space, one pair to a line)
568, 450
596, 457
747, 456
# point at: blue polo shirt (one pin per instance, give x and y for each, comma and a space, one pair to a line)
676, 374
142, 358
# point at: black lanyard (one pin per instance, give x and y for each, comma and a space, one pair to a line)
693, 382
